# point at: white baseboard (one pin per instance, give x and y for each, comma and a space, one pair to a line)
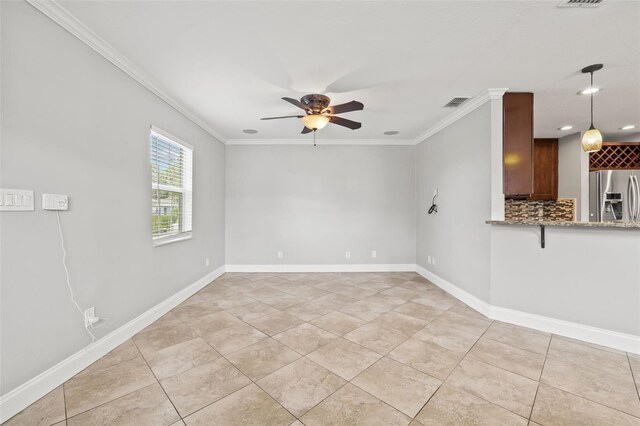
396, 267
478, 304
599, 336
29, 392
26, 394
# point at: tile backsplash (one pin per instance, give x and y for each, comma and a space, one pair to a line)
561, 210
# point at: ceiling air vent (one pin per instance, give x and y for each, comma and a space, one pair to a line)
580, 3
457, 101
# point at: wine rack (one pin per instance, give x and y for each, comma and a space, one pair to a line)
616, 156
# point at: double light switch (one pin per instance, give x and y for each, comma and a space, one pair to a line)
16, 200
23, 200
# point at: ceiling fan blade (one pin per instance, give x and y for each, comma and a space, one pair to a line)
284, 116
344, 122
349, 106
306, 130
296, 103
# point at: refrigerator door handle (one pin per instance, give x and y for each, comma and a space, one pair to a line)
636, 198
631, 199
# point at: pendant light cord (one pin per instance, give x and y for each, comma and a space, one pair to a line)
592, 99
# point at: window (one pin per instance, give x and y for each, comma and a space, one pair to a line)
171, 187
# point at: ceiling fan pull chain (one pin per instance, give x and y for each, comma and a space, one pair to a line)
314, 137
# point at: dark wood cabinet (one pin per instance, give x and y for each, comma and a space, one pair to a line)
518, 144
545, 169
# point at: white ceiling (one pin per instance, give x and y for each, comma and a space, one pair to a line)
230, 62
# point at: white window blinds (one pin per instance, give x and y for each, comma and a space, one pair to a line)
171, 187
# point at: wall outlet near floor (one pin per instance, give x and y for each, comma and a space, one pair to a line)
429, 259
347, 255
280, 254
90, 317
374, 253
206, 261
433, 260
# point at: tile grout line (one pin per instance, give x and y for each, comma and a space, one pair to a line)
633, 376
234, 366
458, 364
305, 357
157, 380
461, 359
64, 401
300, 282
535, 397
102, 369
589, 399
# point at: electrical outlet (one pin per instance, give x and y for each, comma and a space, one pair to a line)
55, 202
433, 260
280, 254
429, 260
347, 255
374, 253
435, 192
90, 317
206, 261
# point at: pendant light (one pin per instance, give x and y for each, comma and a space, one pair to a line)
592, 138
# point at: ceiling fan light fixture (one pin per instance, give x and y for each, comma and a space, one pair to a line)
315, 121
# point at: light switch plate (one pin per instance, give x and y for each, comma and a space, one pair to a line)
55, 202
16, 200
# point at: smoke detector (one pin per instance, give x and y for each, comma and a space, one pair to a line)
457, 101
580, 3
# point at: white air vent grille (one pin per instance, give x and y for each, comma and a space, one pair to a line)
457, 101
580, 3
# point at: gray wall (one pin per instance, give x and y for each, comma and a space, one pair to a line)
457, 161
315, 203
74, 124
586, 276
573, 173
634, 137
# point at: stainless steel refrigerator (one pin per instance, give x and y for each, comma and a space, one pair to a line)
614, 195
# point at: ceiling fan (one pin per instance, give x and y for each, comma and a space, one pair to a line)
319, 113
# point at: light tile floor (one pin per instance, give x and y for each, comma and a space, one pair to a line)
342, 349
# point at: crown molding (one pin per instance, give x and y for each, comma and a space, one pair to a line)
469, 106
57, 13
320, 142
53, 10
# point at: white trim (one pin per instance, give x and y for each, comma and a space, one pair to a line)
613, 339
479, 305
398, 267
497, 164
24, 395
320, 142
57, 13
66, 20
469, 106
172, 138
173, 238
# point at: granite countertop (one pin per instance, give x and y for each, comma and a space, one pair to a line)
626, 225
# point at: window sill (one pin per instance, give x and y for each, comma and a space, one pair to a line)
171, 239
